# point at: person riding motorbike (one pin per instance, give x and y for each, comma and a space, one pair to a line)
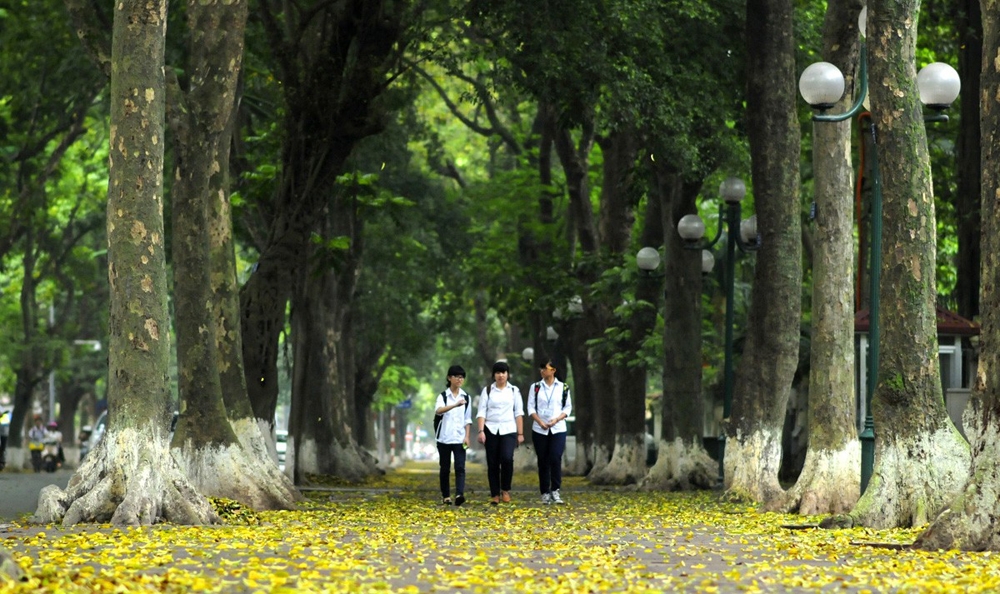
52, 453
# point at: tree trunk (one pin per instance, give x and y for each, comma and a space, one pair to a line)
628, 459
595, 427
830, 481
967, 160
220, 462
770, 357
334, 62
131, 479
583, 395
681, 461
322, 410
969, 521
921, 459
602, 443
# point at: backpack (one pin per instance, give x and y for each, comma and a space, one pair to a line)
440, 417
565, 393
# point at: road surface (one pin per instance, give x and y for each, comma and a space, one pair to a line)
19, 491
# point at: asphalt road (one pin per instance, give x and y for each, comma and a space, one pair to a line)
19, 491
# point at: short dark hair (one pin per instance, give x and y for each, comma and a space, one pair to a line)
545, 363
500, 367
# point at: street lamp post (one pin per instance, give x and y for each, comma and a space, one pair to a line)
822, 86
744, 236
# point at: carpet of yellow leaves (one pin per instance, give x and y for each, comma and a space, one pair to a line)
393, 535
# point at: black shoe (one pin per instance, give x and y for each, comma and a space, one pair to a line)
459, 499
446, 501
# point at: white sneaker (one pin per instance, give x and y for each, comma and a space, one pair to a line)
556, 498
546, 498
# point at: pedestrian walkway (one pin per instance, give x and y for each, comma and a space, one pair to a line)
392, 534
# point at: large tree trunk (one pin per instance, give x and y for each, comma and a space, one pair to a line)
830, 480
218, 461
132, 479
322, 402
595, 430
681, 461
968, 159
969, 521
770, 357
628, 458
921, 459
584, 390
334, 62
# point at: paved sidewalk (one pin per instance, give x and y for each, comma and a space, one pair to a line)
392, 534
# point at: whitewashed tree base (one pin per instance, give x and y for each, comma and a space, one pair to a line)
830, 483
914, 479
627, 465
600, 456
349, 463
681, 467
751, 466
969, 522
243, 472
130, 480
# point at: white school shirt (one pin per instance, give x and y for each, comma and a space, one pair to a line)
547, 402
500, 407
453, 422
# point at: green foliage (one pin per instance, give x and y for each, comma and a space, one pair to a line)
53, 146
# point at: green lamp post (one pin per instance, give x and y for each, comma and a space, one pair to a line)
744, 236
822, 86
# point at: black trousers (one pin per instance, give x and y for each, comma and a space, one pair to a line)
500, 461
445, 451
549, 447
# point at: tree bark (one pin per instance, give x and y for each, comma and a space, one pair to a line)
333, 61
921, 459
967, 160
770, 356
584, 390
322, 397
628, 457
830, 480
681, 462
218, 460
968, 522
131, 479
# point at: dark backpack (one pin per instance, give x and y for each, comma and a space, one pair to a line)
439, 417
565, 394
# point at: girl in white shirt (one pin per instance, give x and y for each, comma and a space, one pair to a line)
453, 433
549, 404
500, 419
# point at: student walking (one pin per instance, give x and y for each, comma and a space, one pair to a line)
452, 424
500, 423
549, 404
